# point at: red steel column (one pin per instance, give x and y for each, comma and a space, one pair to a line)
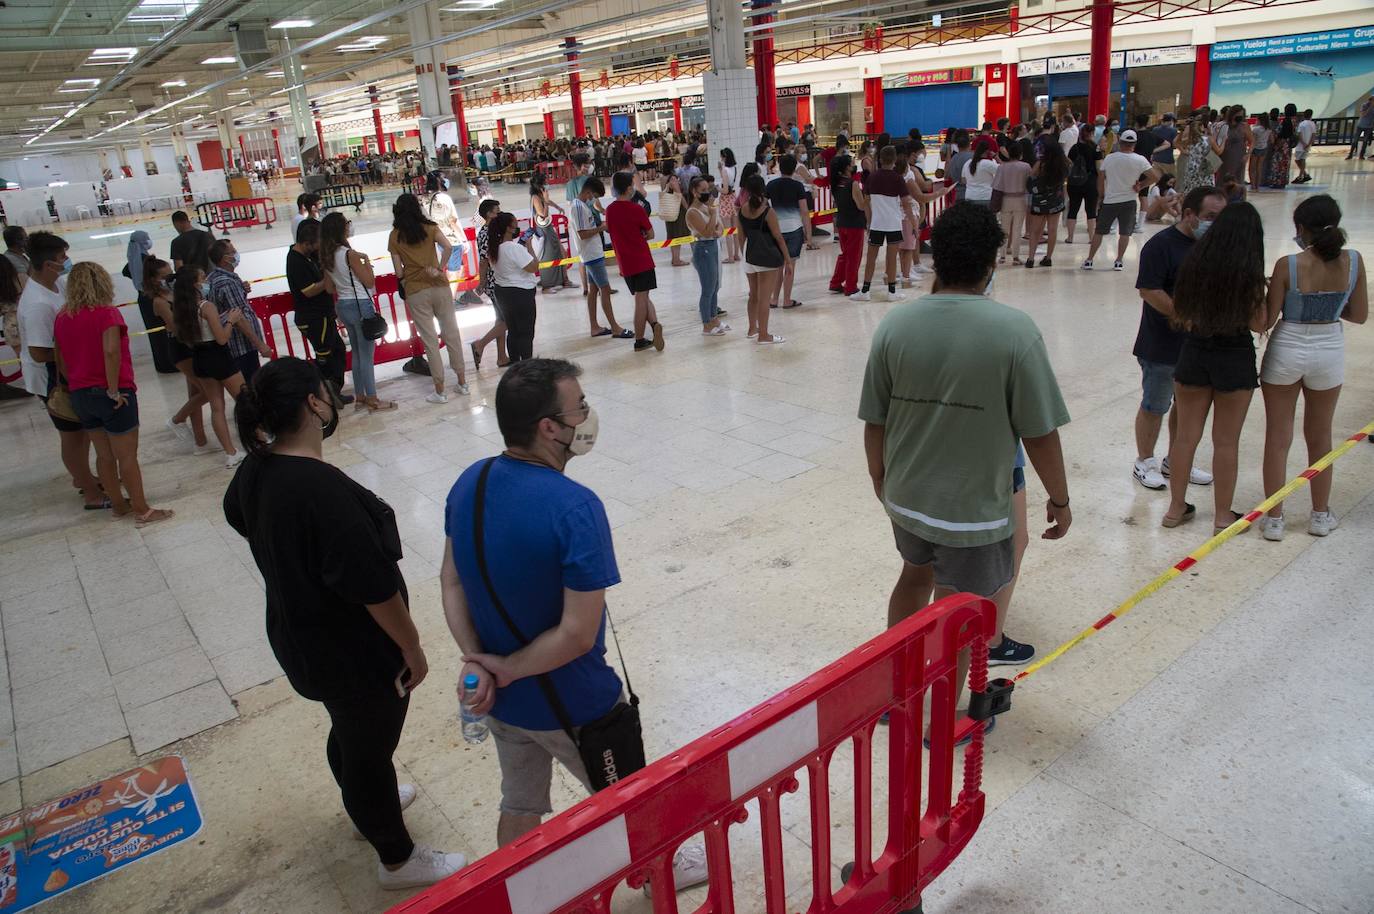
1202, 76
276, 143
455, 97
319, 128
1100, 72
377, 118
501, 130
548, 125
873, 99
606, 118
1014, 92
243, 150
765, 74
575, 87
677, 115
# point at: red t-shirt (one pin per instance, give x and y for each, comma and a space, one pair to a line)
626, 222
79, 337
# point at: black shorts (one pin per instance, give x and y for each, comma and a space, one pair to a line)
179, 350
642, 282
98, 413
1224, 364
876, 238
213, 361
62, 425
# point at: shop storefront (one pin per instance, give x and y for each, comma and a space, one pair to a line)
1067, 84
794, 105
1035, 91
1329, 72
655, 115
931, 100
693, 112
1159, 81
1152, 81
837, 107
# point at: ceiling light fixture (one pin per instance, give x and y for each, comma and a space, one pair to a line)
294, 24
174, 84
218, 60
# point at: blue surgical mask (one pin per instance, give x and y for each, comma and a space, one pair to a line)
1202, 226
204, 290
1297, 239
66, 266
234, 261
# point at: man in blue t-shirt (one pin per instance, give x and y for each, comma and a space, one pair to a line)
549, 558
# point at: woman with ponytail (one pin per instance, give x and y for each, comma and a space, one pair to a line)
197, 322
1309, 294
157, 287
338, 615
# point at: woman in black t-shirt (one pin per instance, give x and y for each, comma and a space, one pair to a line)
338, 617
1083, 158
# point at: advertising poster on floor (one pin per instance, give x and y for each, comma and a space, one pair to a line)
54, 847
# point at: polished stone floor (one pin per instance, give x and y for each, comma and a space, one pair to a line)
1206, 753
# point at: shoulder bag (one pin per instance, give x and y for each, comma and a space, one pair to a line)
612, 746
761, 248
669, 206
374, 325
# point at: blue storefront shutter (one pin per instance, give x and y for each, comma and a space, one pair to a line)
930, 109
620, 124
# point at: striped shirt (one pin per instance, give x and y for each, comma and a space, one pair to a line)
226, 291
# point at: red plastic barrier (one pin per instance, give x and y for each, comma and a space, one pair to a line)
555, 172
820, 193
630, 831
223, 215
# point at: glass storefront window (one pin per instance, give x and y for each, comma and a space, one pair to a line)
1159, 90
833, 113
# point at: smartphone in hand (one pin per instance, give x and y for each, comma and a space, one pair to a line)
401, 679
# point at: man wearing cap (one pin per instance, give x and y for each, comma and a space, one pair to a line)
1118, 180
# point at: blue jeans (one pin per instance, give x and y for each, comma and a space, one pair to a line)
351, 312
706, 259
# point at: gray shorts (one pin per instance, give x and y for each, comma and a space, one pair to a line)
526, 758
1123, 214
981, 570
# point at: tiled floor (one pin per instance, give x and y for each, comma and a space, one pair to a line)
1135, 774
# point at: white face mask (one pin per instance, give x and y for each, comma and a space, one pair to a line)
584, 435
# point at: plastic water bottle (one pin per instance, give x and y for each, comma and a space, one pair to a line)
474, 725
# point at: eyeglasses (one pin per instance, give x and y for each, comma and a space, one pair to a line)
582, 411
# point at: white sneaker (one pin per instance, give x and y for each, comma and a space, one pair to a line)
1118, 266
1271, 528
921, 270
209, 447
182, 432
426, 866
234, 459
1323, 522
1197, 476
462, 390
1087, 265
406, 793
689, 868
896, 295
437, 397
861, 296
1148, 475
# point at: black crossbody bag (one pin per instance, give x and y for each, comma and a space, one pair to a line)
612, 746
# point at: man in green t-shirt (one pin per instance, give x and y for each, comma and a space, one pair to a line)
954, 379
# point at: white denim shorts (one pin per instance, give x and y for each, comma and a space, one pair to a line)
1311, 353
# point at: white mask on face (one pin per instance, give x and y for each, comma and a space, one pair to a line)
584, 435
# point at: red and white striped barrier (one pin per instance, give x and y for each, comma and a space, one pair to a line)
630, 831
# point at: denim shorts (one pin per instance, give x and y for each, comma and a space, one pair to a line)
98, 413
1018, 472
1157, 382
596, 273
794, 241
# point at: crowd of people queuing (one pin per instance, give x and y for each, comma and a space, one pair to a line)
529, 556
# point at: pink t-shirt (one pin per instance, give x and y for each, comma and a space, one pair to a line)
79, 338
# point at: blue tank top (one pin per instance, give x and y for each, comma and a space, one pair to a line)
1317, 307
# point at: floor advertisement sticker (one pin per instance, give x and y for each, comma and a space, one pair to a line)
71, 840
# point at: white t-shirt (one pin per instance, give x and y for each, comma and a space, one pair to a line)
345, 280
978, 183
38, 307
727, 178
585, 216
296, 221
1067, 137
1307, 131
440, 209
1122, 170
640, 155
509, 269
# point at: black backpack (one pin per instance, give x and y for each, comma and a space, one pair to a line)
1078, 174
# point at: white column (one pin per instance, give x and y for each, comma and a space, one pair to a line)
302, 133
728, 88
430, 76
145, 146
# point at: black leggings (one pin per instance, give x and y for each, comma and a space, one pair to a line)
1086, 195
322, 333
363, 737
518, 307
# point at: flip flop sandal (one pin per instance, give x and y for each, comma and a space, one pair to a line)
625, 334
793, 304
103, 506
1237, 515
153, 516
1189, 512
602, 332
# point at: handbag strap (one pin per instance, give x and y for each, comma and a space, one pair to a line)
479, 546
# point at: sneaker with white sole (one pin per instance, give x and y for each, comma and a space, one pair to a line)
1197, 476
405, 793
922, 270
1322, 523
426, 866
1087, 265
234, 459
436, 397
1010, 653
463, 390
689, 868
1118, 266
182, 431
209, 447
861, 296
1271, 528
1148, 475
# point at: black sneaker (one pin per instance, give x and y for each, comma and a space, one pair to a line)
642, 344
1010, 653
1046, 262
